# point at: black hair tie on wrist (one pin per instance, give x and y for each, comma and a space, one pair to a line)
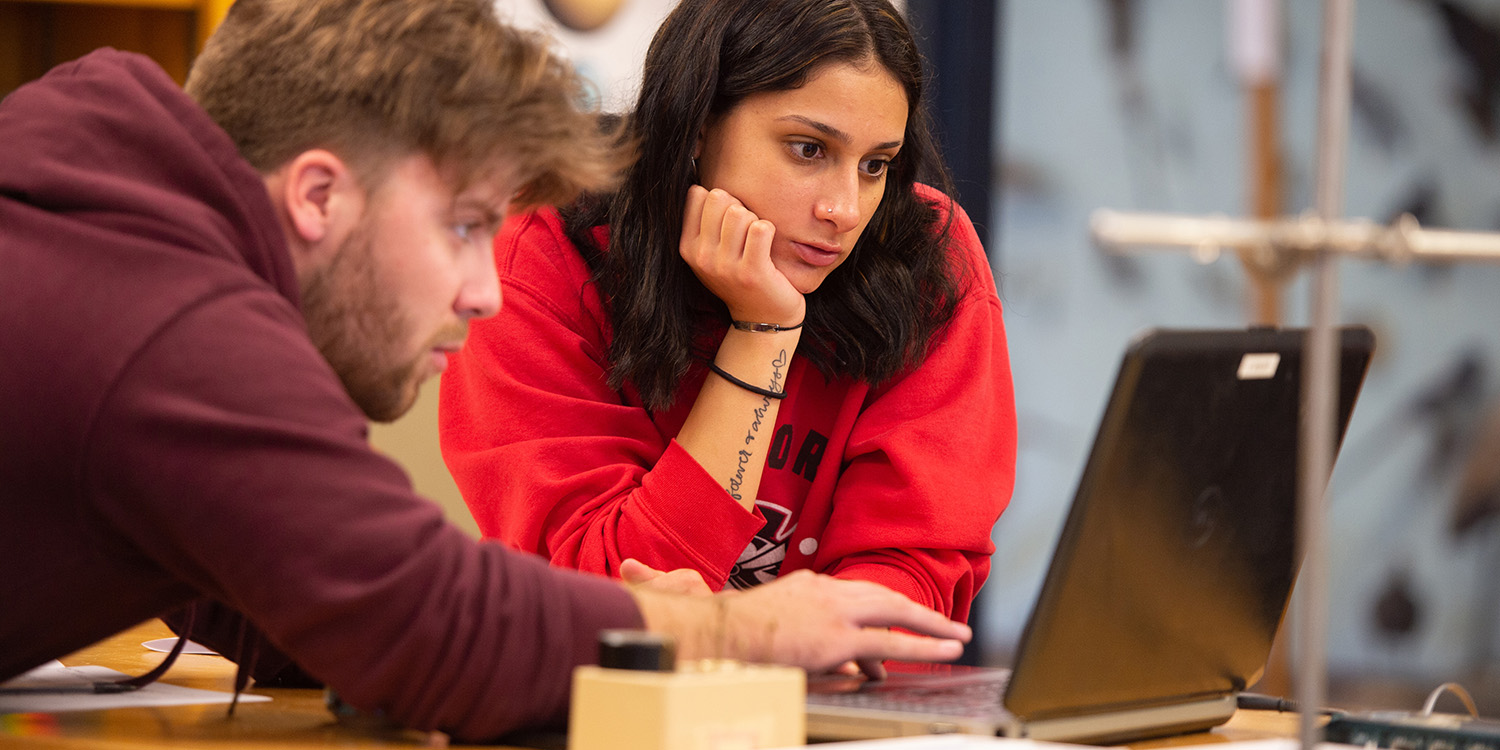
768, 393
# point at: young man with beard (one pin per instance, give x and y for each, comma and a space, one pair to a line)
203, 298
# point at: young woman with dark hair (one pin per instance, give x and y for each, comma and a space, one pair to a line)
771, 349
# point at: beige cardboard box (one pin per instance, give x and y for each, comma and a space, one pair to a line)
710, 705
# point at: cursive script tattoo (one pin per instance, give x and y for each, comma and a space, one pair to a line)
738, 480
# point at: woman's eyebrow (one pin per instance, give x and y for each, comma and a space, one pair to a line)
833, 132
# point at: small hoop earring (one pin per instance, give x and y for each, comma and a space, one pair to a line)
695, 168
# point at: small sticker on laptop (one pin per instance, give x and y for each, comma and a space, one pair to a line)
1260, 366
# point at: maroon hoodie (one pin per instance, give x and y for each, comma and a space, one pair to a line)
169, 433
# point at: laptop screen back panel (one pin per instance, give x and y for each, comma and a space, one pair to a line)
1177, 559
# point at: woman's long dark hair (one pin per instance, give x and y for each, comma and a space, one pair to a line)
876, 313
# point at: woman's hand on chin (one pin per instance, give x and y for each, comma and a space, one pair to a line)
729, 249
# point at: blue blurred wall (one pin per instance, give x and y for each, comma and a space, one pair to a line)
1164, 130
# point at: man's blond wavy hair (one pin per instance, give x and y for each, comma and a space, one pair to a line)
377, 80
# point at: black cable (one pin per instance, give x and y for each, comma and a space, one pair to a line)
1262, 702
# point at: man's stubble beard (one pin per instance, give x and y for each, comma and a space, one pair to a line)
356, 323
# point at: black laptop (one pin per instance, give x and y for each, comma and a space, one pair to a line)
1173, 569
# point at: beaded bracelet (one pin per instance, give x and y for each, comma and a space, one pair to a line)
768, 393
741, 325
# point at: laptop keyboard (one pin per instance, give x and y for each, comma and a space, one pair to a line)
957, 697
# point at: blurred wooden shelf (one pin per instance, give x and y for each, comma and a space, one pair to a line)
36, 35
178, 4
209, 12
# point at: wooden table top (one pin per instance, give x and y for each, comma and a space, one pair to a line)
293, 718
297, 719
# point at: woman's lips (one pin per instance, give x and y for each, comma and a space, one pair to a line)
814, 255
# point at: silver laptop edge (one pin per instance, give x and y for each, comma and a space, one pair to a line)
850, 723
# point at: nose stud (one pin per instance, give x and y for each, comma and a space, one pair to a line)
829, 209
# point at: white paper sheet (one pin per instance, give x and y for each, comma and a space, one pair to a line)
55, 676
164, 645
951, 742
1279, 743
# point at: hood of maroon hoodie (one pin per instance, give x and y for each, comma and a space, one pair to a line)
121, 204
109, 143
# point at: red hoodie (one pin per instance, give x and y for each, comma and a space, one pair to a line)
898, 484
168, 432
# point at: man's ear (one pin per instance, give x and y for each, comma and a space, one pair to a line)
320, 203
